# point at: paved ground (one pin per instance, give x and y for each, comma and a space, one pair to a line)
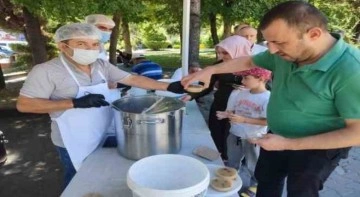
33, 169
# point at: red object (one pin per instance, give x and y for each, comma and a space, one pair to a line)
256, 72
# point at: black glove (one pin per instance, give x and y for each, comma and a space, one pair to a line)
176, 87
120, 85
194, 95
90, 100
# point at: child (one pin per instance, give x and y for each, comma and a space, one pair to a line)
246, 110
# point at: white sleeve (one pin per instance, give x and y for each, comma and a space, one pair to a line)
177, 75
38, 83
232, 100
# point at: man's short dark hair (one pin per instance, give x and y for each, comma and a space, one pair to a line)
297, 14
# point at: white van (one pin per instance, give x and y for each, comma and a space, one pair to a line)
7, 43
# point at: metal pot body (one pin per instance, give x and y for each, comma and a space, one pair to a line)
140, 135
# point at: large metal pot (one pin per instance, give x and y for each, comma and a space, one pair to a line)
141, 134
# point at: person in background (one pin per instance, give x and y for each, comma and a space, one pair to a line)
238, 27
194, 67
250, 34
246, 110
73, 90
228, 49
105, 25
123, 58
313, 114
145, 67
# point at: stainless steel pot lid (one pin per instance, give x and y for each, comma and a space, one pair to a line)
138, 104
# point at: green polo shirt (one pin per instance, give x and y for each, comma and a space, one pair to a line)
314, 98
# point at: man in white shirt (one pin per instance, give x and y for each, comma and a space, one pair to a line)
250, 34
105, 25
194, 67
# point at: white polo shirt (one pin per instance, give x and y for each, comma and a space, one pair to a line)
257, 49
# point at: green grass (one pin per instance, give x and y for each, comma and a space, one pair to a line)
171, 59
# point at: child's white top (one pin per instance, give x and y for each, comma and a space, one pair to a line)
247, 104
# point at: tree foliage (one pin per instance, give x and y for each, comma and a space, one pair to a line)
343, 14
154, 39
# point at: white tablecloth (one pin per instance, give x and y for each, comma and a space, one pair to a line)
104, 171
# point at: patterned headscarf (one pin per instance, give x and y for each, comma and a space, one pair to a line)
256, 72
236, 46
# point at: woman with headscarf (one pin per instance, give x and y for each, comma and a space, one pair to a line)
230, 48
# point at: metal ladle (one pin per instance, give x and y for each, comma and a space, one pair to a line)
145, 111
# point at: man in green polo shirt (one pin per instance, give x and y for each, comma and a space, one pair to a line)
314, 108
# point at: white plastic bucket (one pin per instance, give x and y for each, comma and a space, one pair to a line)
168, 175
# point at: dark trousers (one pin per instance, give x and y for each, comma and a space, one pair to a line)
69, 170
306, 171
219, 129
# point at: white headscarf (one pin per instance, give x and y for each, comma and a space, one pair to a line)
236, 46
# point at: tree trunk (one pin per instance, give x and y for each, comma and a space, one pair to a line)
213, 29
227, 18
2, 79
194, 31
126, 35
114, 38
227, 28
35, 37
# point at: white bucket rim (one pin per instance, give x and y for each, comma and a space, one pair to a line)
188, 191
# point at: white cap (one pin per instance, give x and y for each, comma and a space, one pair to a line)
77, 31
96, 19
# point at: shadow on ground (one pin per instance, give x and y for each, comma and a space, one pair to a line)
32, 168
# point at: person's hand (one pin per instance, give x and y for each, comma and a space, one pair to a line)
272, 142
112, 85
236, 118
222, 114
176, 87
203, 76
186, 98
90, 100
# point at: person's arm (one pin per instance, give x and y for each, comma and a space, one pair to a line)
241, 119
207, 90
36, 91
42, 106
346, 101
231, 66
39, 105
341, 138
144, 82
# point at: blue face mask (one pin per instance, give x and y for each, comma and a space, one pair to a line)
105, 36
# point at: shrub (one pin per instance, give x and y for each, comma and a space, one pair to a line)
155, 45
176, 46
153, 39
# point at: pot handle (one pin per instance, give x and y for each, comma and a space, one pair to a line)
152, 121
127, 122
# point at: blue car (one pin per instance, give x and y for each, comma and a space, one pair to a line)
6, 52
